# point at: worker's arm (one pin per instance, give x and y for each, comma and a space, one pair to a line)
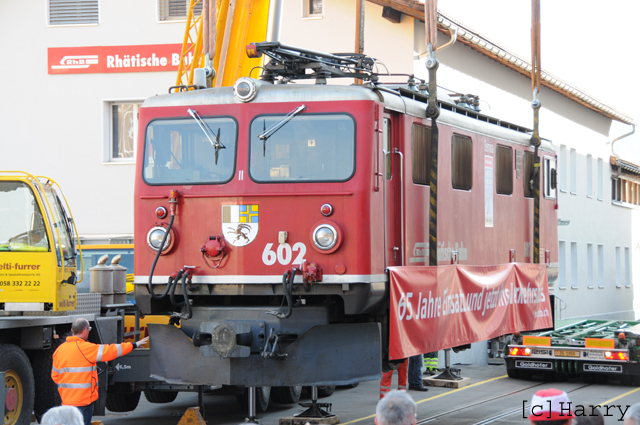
107, 352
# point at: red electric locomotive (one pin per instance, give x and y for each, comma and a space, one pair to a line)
266, 215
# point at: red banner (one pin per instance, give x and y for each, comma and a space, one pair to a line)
108, 59
433, 308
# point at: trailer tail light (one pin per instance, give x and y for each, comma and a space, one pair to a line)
616, 355
161, 212
520, 351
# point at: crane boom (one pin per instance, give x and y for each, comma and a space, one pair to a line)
237, 23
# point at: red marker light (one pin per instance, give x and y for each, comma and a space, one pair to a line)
326, 210
161, 212
252, 52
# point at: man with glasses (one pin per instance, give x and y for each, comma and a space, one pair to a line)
75, 367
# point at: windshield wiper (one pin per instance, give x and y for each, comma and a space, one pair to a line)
213, 139
277, 126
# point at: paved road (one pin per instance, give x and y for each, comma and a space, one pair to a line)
491, 399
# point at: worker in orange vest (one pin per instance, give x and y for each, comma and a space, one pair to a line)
75, 367
385, 382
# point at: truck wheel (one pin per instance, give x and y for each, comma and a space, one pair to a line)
19, 385
155, 396
326, 391
262, 399
122, 402
286, 395
512, 373
46, 394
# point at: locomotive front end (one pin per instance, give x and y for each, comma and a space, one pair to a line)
259, 232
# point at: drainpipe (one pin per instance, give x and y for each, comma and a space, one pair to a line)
633, 129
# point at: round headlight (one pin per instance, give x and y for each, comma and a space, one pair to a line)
155, 236
245, 89
325, 236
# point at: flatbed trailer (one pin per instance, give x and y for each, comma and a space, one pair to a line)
591, 349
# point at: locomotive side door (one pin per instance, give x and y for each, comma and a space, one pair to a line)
393, 168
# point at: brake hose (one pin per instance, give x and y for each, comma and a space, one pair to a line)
173, 282
155, 260
288, 291
186, 302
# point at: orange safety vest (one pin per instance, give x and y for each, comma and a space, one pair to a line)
75, 370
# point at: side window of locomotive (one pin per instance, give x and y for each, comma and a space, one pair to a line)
308, 148
527, 173
421, 154
388, 155
504, 170
178, 151
461, 163
550, 176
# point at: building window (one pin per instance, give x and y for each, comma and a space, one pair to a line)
527, 173
600, 179
461, 163
589, 265
616, 189
177, 10
574, 265
601, 266
573, 171
562, 266
123, 128
618, 268
504, 170
312, 8
550, 177
421, 154
76, 12
589, 176
562, 167
627, 267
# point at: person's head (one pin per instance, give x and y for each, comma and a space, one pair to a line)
396, 408
632, 417
81, 328
593, 418
550, 407
62, 415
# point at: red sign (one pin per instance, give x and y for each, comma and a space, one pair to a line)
446, 306
107, 59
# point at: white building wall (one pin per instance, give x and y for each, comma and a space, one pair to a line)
54, 125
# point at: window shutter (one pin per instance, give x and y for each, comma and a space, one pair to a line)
461, 162
73, 12
177, 9
421, 154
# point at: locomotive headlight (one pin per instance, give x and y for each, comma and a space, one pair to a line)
245, 89
155, 236
325, 236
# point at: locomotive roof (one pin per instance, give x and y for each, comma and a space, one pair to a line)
396, 99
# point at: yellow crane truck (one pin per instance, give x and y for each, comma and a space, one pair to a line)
39, 251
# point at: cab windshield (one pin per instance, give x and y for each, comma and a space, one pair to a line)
22, 226
178, 151
308, 148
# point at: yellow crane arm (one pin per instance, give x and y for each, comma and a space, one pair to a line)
238, 23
